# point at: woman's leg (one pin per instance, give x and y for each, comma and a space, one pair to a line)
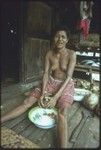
19, 110
62, 127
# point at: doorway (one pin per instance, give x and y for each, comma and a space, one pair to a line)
10, 42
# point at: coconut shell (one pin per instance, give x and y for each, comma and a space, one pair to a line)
91, 101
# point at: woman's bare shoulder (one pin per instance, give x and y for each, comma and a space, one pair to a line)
72, 52
49, 53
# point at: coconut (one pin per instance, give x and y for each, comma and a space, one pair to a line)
90, 101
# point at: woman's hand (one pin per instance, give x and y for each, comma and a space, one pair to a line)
51, 103
41, 101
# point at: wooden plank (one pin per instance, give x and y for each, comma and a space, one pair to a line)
89, 137
38, 135
29, 130
73, 123
21, 126
83, 132
50, 139
73, 109
87, 67
85, 70
74, 120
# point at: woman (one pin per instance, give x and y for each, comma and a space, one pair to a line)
57, 81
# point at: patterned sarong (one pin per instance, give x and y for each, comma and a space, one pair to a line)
53, 86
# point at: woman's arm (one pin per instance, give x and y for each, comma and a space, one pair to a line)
45, 80
46, 73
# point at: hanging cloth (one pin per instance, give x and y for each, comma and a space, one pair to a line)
86, 15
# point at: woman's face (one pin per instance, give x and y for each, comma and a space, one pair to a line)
60, 39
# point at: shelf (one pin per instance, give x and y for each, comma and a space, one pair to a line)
87, 67
93, 71
88, 54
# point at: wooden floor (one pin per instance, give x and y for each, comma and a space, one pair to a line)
83, 126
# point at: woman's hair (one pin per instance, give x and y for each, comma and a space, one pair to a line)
70, 43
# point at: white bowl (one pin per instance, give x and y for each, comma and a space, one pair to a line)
80, 94
42, 118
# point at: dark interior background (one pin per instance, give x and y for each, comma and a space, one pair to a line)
10, 39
